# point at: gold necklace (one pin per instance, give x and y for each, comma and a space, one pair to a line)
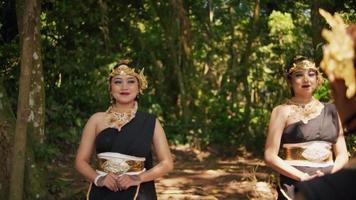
304, 112
118, 119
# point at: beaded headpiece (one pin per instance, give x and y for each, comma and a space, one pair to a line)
338, 55
123, 69
304, 64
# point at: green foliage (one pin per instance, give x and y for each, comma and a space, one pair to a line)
323, 92
80, 40
349, 14
281, 27
351, 144
231, 71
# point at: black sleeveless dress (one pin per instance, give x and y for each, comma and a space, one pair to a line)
324, 127
135, 139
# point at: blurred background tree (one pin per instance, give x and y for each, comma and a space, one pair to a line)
215, 68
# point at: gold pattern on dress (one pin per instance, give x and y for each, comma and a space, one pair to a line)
304, 112
314, 151
119, 166
119, 119
338, 55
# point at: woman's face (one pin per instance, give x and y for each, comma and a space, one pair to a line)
303, 82
124, 88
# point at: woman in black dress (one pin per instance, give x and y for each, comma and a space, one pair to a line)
122, 138
304, 136
339, 63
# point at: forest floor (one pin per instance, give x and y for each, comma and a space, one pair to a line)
204, 176
197, 175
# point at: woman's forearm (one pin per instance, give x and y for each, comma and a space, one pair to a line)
86, 170
157, 171
340, 162
285, 169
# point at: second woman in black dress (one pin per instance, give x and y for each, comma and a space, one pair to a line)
305, 137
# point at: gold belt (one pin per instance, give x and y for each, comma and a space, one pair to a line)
119, 166
298, 153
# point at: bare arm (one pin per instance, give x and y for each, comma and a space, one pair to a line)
85, 150
275, 130
340, 151
165, 162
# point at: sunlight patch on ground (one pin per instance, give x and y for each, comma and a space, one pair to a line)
207, 177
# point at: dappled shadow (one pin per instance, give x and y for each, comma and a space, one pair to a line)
198, 175
201, 175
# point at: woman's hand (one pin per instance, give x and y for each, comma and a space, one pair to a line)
109, 181
320, 173
306, 176
125, 181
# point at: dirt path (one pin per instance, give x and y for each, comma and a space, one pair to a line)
199, 175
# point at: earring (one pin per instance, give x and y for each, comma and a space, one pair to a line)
112, 99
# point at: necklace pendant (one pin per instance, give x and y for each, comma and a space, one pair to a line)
304, 112
120, 119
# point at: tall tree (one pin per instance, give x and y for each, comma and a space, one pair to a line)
170, 23
317, 24
245, 59
184, 67
29, 57
35, 170
7, 127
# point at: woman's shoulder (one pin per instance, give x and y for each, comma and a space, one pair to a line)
281, 111
98, 116
281, 108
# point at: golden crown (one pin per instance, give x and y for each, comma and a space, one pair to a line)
338, 55
124, 69
304, 64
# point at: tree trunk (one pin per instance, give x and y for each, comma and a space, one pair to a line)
184, 29
318, 24
104, 23
186, 71
316, 29
28, 55
244, 61
35, 174
170, 28
37, 90
7, 128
